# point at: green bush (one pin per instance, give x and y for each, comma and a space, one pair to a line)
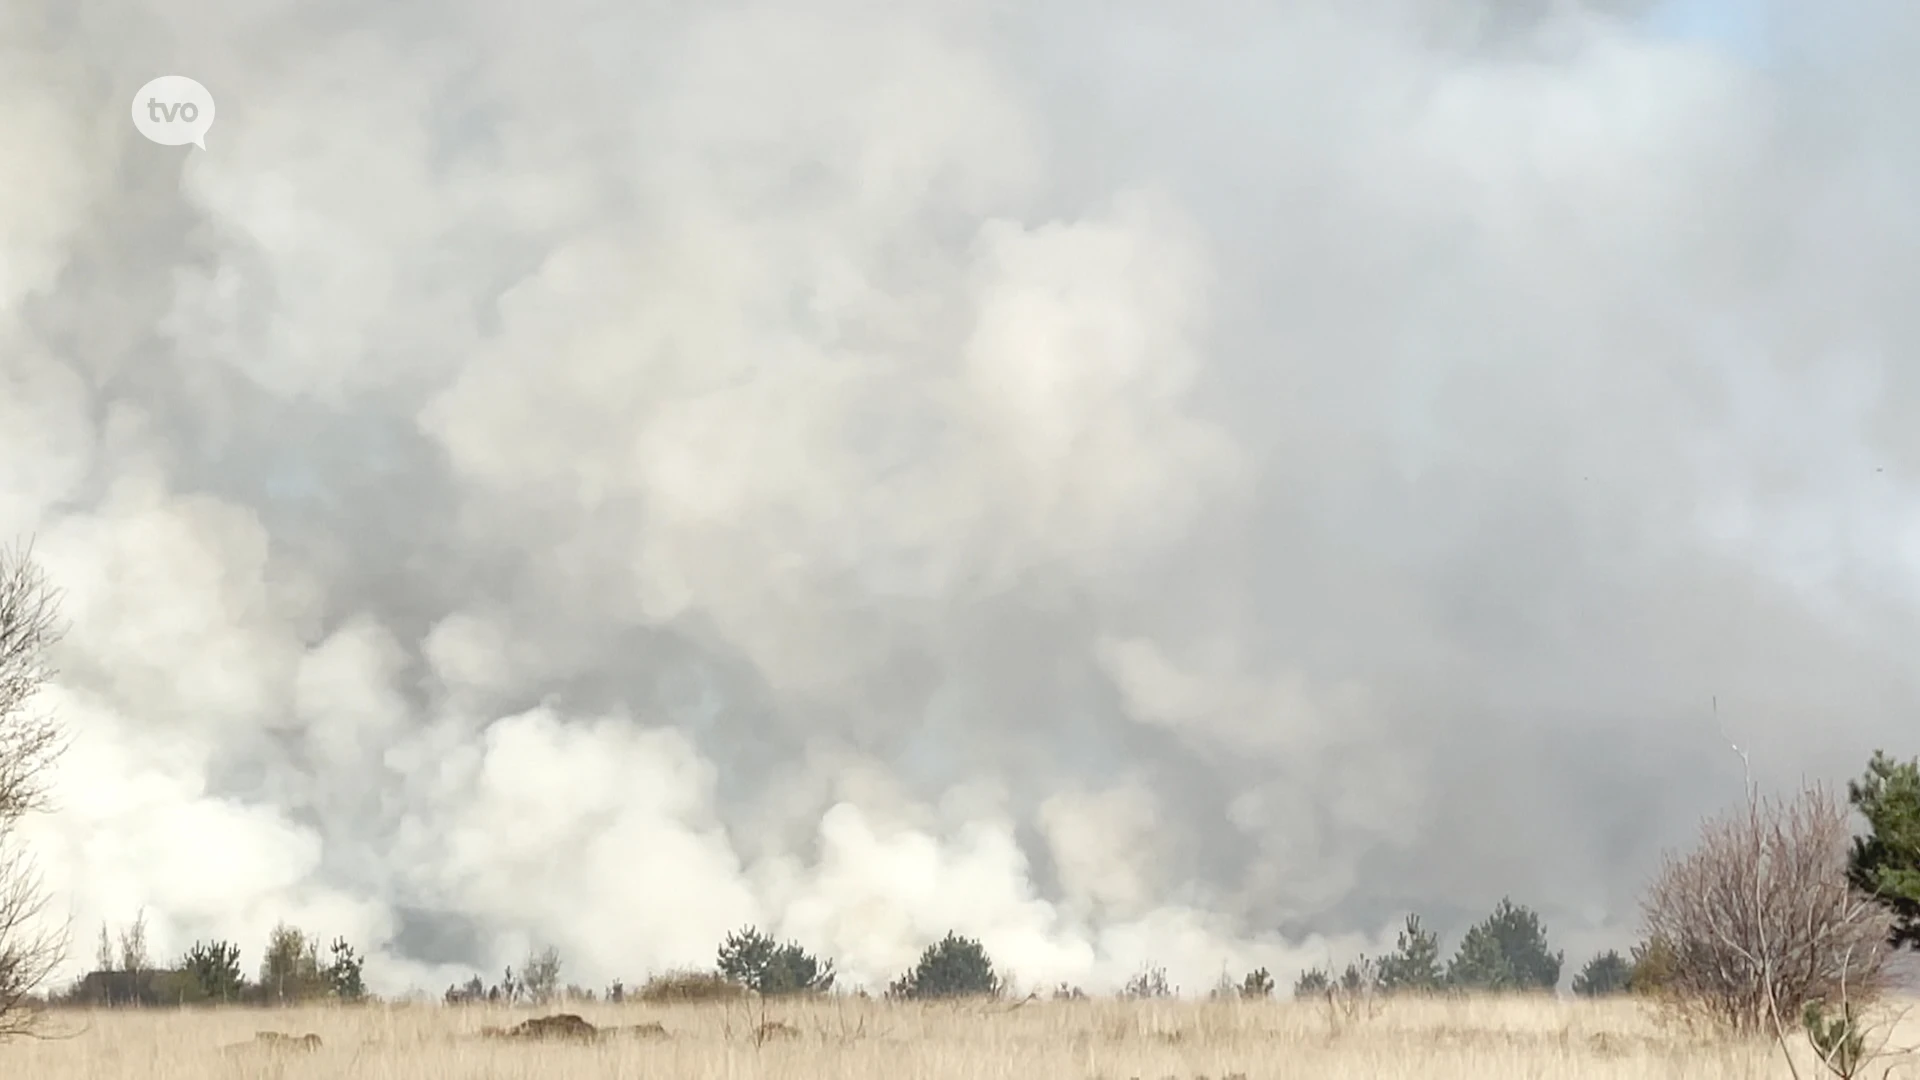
1604, 976
177, 988
1312, 983
755, 961
953, 967
1654, 967
1257, 984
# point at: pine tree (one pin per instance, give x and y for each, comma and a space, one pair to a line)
1886, 862
214, 970
1312, 982
1415, 964
1257, 984
744, 956
1507, 951
954, 967
343, 973
753, 960
793, 970
1603, 976
1480, 964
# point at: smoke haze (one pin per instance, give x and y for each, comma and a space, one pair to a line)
1130, 486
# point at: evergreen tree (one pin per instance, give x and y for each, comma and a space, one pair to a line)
1312, 982
793, 970
1257, 984
744, 956
1507, 951
1362, 976
1886, 862
214, 970
1415, 965
343, 973
1603, 976
1480, 964
753, 960
954, 967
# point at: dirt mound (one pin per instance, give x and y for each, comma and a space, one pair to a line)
277, 1040
567, 1027
652, 1029
560, 1026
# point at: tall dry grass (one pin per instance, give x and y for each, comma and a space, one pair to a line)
856, 1040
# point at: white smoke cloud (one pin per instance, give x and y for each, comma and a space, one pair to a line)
1139, 490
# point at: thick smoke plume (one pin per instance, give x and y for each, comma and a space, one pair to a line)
1130, 482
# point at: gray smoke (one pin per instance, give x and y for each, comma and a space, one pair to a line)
1131, 486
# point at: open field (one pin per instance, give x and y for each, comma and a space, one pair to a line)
858, 1040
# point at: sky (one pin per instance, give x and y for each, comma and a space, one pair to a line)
1739, 27
1136, 487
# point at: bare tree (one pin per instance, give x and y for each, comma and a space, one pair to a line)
29, 627
30, 742
540, 975
133, 945
1759, 920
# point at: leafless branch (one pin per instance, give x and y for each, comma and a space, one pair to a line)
30, 949
29, 627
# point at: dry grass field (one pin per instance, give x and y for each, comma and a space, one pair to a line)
856, 1040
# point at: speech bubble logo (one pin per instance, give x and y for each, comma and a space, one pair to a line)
174, 110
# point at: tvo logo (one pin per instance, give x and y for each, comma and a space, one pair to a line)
174, 110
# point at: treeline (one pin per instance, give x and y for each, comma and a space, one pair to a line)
1777, 917
1507, 952
748, 961
1779, 923
292, 970
1778, 913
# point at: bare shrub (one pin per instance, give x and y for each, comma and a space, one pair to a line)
1759, 920
689, 986
540, 976
1149, 984
1353, 999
